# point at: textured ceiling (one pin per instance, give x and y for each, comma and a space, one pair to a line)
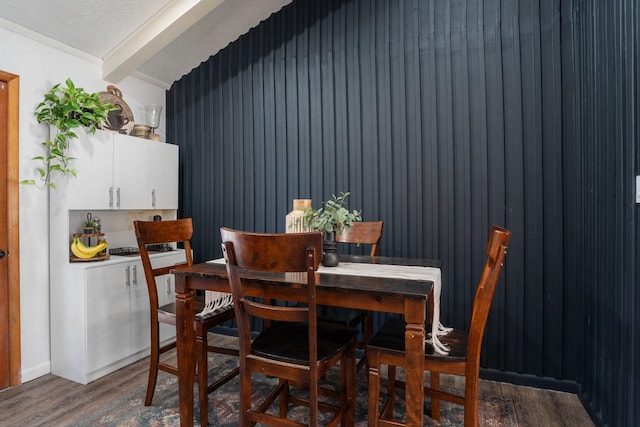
156, 40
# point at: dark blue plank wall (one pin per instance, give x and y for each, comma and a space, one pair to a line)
442, 118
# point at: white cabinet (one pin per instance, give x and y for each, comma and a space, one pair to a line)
116, 171
166, 289
100, 315
118, 313
99, 310
93, 162
131, 172
163, 175
166, 294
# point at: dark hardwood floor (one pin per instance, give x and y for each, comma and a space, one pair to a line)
54, 401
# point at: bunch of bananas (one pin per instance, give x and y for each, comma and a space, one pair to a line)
83, 251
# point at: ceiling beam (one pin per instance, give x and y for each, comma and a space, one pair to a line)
153, 36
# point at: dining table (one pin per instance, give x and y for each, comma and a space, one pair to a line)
401, 294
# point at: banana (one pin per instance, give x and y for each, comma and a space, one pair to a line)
93, 250
80, 250
76, 251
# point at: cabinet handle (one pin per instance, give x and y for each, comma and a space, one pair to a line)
128, 275
110, 197
118, 197
135, 275
168, 286
153, 198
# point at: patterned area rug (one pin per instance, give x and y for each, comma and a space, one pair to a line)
129, 410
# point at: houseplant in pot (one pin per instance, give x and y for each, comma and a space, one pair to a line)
66, 108
332, 217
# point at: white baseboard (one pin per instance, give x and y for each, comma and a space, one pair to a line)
35, 372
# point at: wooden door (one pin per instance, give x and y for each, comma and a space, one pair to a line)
9, 236
4, 269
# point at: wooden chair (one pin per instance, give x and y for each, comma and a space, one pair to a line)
363, 233
368, 233
293, 347
387, 347
160, 232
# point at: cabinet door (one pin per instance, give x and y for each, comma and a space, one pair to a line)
163, 175
166, 295
166, 287
93, 162
108, 325
139, 309
130, 172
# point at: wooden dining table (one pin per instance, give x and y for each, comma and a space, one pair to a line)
384, 294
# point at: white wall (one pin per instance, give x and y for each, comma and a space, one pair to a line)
40, 67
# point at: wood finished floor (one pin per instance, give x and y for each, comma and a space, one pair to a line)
55, 401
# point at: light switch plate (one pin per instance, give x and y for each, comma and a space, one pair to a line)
638, 189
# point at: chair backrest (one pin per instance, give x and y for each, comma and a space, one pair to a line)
496, 252
363, 232
277, 253
158, 232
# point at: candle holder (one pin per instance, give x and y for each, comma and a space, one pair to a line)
153, 119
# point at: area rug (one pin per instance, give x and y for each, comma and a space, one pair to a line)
129, 410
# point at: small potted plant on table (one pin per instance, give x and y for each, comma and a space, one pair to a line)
332, 217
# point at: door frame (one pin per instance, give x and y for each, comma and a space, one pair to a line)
13, 223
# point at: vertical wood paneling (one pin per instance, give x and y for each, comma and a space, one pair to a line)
442, 118
496, 166
429, 131
551, 127
532, 175
600, 156
573, 327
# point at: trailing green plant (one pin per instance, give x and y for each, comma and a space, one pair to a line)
67, 108
333, 216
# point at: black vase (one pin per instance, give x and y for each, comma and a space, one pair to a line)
330, 257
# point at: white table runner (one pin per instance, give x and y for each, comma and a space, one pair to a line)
383, 270
402, 272
215, 301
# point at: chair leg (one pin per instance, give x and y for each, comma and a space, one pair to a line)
154, 359
348, 373
367, 332
471, 417
203, 378
391, 391
350, 386
283, 399
374, 387
435, 403
245, 394
313, 402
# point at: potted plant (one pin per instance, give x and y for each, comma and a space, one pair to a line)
88, 226
97, 224
65, 107
332, 217
92, 225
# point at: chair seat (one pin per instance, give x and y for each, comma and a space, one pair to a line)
341, 316
391, 337
289, 342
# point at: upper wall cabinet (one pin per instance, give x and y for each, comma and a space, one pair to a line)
163, 175
117, 171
